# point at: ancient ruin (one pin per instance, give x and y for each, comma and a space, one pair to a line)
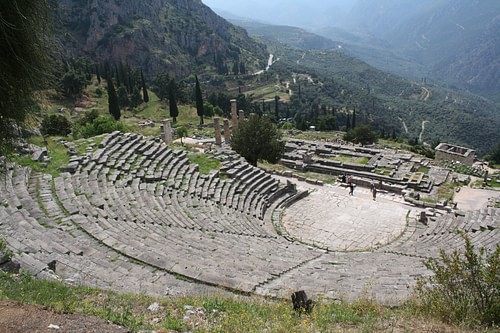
447, 152
133, 215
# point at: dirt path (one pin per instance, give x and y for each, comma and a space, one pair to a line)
21, 318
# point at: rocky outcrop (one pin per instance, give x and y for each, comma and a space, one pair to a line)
157, 35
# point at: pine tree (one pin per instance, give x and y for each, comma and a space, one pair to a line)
174, 111
145, 95
25, 62
114, 106
199, 101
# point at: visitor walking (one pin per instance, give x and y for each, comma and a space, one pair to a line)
374, 192
351, 188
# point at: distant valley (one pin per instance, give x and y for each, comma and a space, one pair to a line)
452, 42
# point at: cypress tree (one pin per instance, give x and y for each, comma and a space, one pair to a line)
145, 95
348, 123
174, 111
135, 98
123, 96
114, 107
354, 119
199, 101
97, 73
277, 107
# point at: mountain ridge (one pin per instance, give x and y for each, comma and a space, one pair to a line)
157, 35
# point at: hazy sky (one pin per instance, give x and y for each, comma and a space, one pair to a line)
287, 12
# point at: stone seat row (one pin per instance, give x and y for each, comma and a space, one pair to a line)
230, 260
124, 157
147, 203
75, 258
198, 254
443, 233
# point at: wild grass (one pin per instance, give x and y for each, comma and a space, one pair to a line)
56, 151
205, 163
220, 313
350, 159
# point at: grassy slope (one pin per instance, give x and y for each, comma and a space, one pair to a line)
216, 313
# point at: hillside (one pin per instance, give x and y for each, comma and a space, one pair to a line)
321, 80
321, 73
176, 36
183, 38
456, 41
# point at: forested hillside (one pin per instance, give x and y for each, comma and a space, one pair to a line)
176, 36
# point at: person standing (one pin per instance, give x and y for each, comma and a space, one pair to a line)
374, 192
351, 188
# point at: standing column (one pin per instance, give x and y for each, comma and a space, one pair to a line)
241, 117
234, 114
167, 132
218, 139
227, 131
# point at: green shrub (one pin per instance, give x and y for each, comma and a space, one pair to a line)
5, 253
97, 126
55, 124
98, 92
362, 134
465, 288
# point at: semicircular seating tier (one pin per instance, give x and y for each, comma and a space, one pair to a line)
150, 204
137, 216
446, 232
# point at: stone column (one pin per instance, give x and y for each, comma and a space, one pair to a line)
227, 131
241, 117
218, 139
234, 114
167, 132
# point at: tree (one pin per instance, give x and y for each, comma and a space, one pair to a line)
326, 123
362, 134
172, 101
25, 62
114, 106
354, 118
72, 83
97, 73
494, 155
182, 132
258, 139
160, 85
277, 107
135, 98
55, 124
123, 96
348, 123
199, 101
145, 95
